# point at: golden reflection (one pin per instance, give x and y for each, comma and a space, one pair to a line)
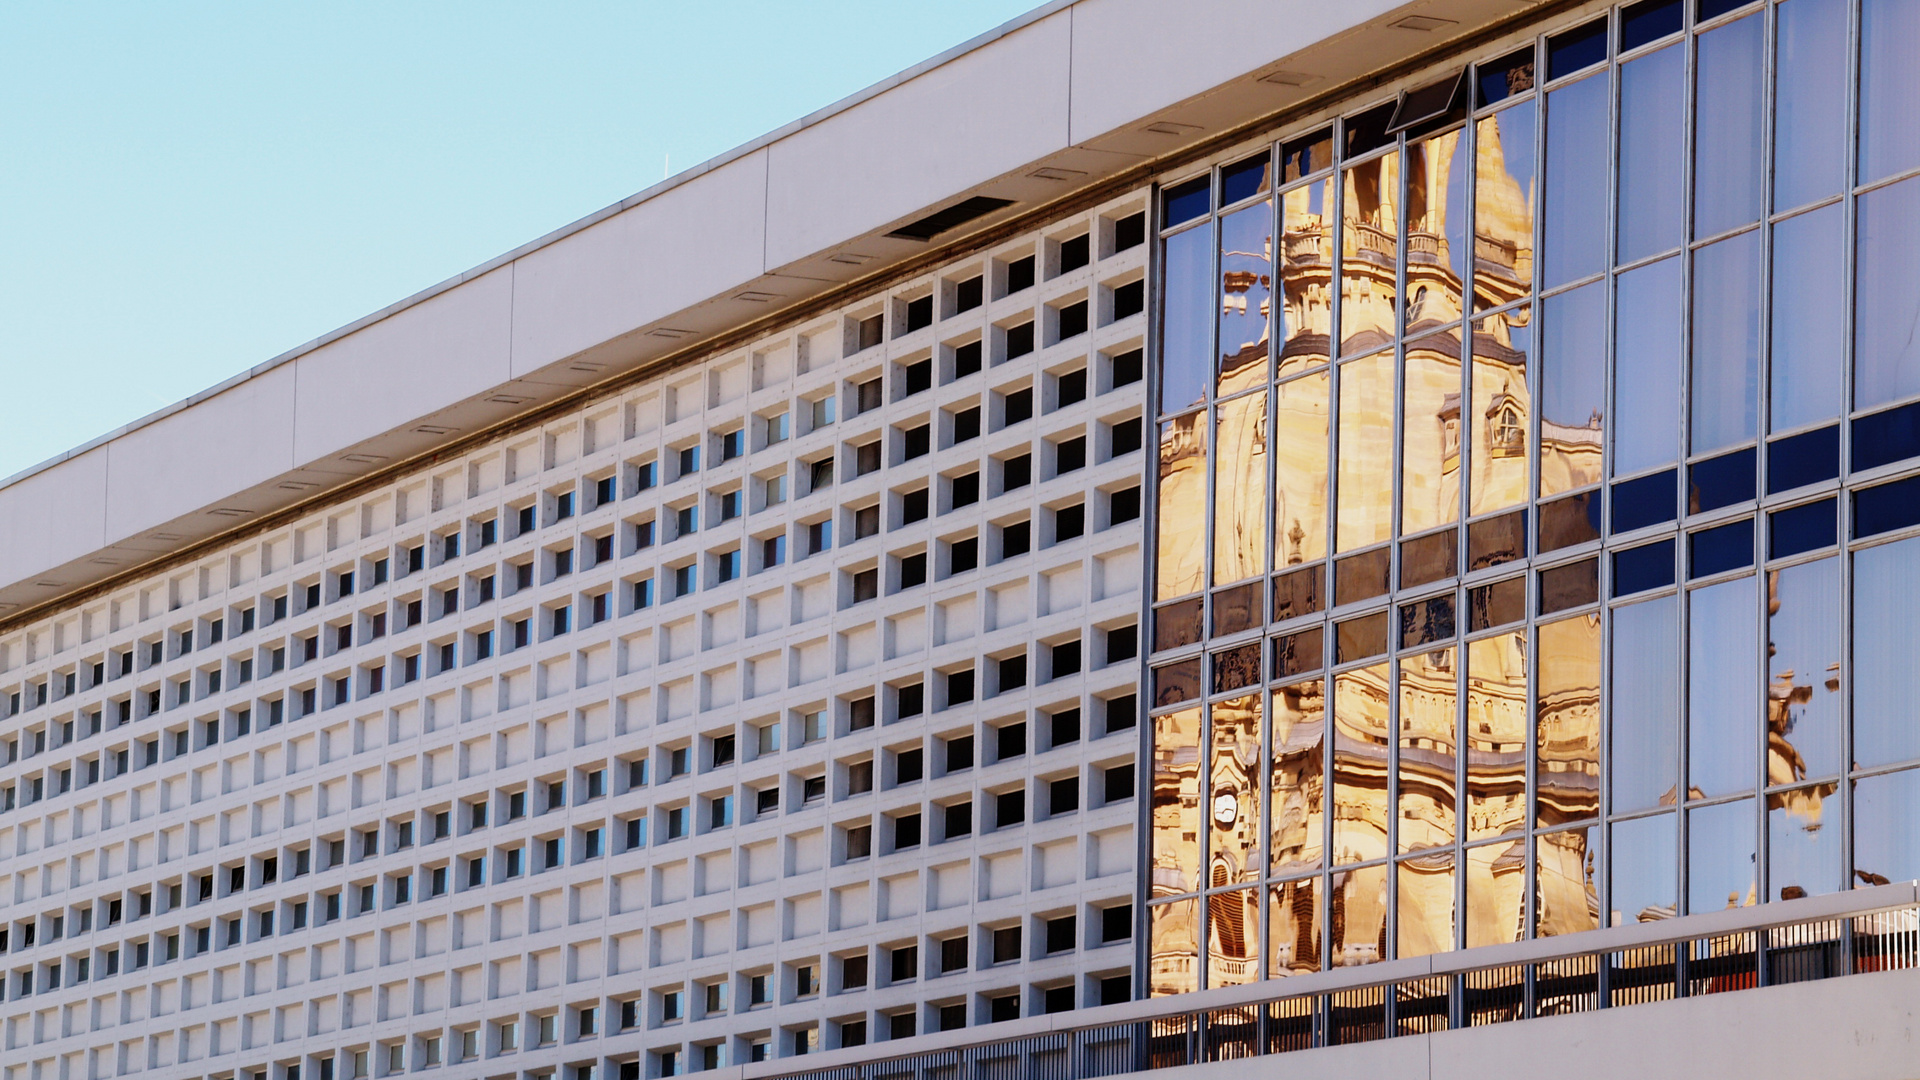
1365, 510
1233, 802
1176, 803
1306, 275
1503, 207
1567, 743
1173, 955
1803, 672
1496, 736
1496, 883
1233, 937
1436, 240
1425, 917
1502, 409
1428, 751
1361, 733
1240, 489
1565, 899
1246, 298
1430, 433
1300, 470
1181, 546
1296, 821
1370, 250
1358, 916
1293, 928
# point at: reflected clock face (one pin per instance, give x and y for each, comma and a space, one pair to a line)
1225, 809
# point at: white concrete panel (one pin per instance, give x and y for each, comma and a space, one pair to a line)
917, 145
670, 252
199, 456
404, 367
48, 517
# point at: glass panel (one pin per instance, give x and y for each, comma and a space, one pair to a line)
1186, 339
1426, 904
1646, 703
1721, 481
1240, 489
1726, 342
1503, 206
1573, 391
1803, 672
1886, 828
1889, 88
1803, 843
1173, 958
1306, 269
1429, 744
1299, 592
1361, 577
1359, 916
1364, 515
1176, 625
1645, 870
1722, 689
1233, 937
1569, 586
1576, 181
1567, 739
1429, 558
1436, 247
1802, 528
1430, 433
1720, 857
1496, 604
1567, 898
1293, 928
1300, 470
1237, 609
1652, 152
1296, 816
1807, 458
1175, 683
1370, 250
1810, 101
1181, 549
1361, 638
1569, 521
1809, 316
1233, 849
1497, 736
1246, 298
1361, 733
1644, 501
1298, 653
1886, 654
1176, 802
1730, 132
1502, 409
1646, 350
1886, 362
1496, 885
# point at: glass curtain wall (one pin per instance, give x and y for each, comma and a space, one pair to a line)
1534, 533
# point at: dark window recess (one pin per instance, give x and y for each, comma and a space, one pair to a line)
908, 767
952, 217
1122, 712
1062, 934
1649, 20
1497, 604
1070, 455
959, 687
1808, 458
1298, 653
1130, 231
1016, 539
1886, 507
913, 506
866, 585
916, 442
1720, 481
1016, 472
867, 396
1245, 179
1116, 923
1009, 808
1063, 796
1713, 551
1019, 406
1642, 568
919, 376
1019, 340
959, 753
1564, 587
1184, 202
966, 489
964, 555
1368, 131
1123, 643
1075, 253
1019, 275
1569, 521
1126, 437
1009, 741
1011, 672
1069, 522
910, 700
866, 458
913, 570
1129, 300
969, 294
919, 313
1063, 727
966, 359
1361, 577
1066, 659
906, 831
1886, 437
1128, 368
1072, 320
1577, 49
1072, 388
1501, 79
966, 424
1642, 502
1123, 505
1802, 528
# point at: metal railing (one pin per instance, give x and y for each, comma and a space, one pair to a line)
1868, 930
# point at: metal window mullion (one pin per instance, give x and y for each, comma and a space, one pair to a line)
1336, 260
1263, 784
1150, 518
1396, 489
1849, 263
1684, 615
1762, 868
1469, 145
1536, 377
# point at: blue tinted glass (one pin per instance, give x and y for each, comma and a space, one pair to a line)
1368, 131
1643, 502
1809, 317
1730, 129
1803, 459
1186, 349
1719, 482
1644, 883
1802, 528
1245, 179
1576, 181
1810, 102
1649, 20
1886, 359
1886, 507
1714, 551
1511, 74
1723, 688
1307, 154
1721, 868
1646, 700
1652, 152
1725, 393
1886, 437
1889, 88
1646, 405
1711, 8
1578, 48
1886, 828
1803, 670
1886, 654
1642, 568
1573, 387
1187, 201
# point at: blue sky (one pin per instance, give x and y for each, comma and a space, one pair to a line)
189, 189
